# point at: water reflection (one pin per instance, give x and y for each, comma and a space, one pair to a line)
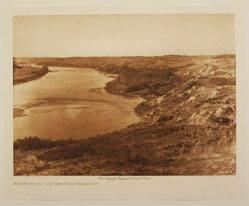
70, 103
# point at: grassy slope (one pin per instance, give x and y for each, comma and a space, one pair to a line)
188, 125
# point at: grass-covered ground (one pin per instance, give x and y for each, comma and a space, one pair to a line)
188, 121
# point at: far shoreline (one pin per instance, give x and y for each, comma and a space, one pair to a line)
32, 74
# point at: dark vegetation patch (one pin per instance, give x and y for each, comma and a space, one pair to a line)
35, 143
142, 82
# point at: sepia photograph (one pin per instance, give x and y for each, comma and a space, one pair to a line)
124, 95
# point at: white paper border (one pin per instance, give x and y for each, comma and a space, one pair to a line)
239, 183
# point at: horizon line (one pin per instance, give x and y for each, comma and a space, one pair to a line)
195, 55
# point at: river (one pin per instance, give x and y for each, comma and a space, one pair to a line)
70, 103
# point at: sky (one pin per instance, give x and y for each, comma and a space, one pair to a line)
123, 35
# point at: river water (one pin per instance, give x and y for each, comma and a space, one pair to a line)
70, 103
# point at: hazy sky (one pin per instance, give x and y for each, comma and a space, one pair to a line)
123, 35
